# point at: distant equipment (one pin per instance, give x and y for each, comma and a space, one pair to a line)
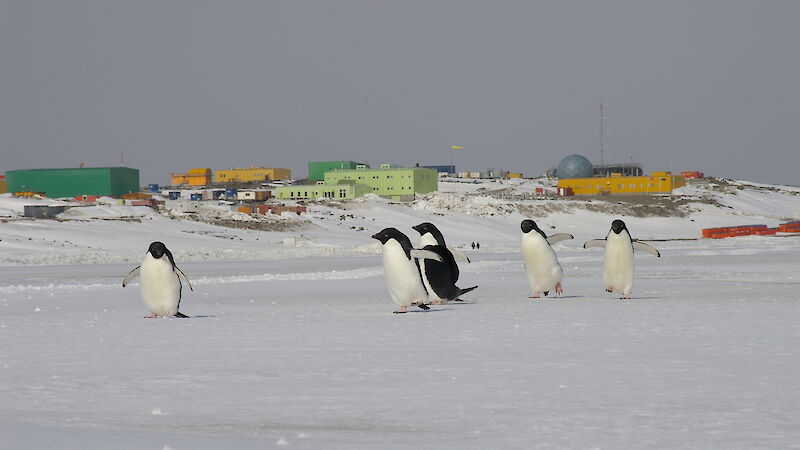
574, 166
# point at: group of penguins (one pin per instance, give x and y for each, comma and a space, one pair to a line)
424, 275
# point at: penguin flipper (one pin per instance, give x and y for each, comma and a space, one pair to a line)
458, 255
183, 277
646, 248
130, 276
426, 254
595, 243
559, 237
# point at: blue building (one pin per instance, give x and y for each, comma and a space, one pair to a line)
450, 170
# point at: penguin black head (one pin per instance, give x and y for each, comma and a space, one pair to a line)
393, 233
157, 249
390, 233
528, 225
427, 227
617, 226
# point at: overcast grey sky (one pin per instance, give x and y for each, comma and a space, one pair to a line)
690, 85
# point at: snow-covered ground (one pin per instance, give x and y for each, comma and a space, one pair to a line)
296, 346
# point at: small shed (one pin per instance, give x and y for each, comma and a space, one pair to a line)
43, 211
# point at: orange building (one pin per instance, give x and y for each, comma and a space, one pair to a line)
656, 183
195, 177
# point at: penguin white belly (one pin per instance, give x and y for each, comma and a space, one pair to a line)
427, 239
159, 286
541, 263
433, 297
402, 276
618, 263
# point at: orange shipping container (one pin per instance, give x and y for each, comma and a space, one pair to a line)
766, 232
789, 227
723, 232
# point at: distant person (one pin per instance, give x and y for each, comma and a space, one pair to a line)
478, 245
473, 246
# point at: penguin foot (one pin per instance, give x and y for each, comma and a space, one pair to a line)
609, 290
625, 297
535, 295
546, 293
423, 306
559, 290
402, 310
151, 316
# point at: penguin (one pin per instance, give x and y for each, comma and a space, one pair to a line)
403, 278
618, 259
440, 281
439, 278
160, 285
430, 235
541, 263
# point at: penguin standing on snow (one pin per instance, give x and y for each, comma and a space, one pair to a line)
439, 278
618, 259
160, 285
403, 277
541, 263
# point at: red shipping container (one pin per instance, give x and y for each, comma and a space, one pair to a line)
766, 232
789, 227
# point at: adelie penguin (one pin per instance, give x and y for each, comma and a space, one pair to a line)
403, 279
618, 259
160, 283
439, 278
541, 263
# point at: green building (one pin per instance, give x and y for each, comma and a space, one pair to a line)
397, 183
344, 191
55, 183
317, 169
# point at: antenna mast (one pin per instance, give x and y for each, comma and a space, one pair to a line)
602, 136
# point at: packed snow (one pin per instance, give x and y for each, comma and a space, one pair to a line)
292, 344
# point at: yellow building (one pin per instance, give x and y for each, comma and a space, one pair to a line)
3, 184
514, 175
253, 174
656, 183
195, 177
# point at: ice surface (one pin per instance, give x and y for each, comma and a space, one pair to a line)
297, 347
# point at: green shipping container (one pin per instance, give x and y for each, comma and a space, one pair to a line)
56, 183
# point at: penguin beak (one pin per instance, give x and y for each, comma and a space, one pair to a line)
376, 236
